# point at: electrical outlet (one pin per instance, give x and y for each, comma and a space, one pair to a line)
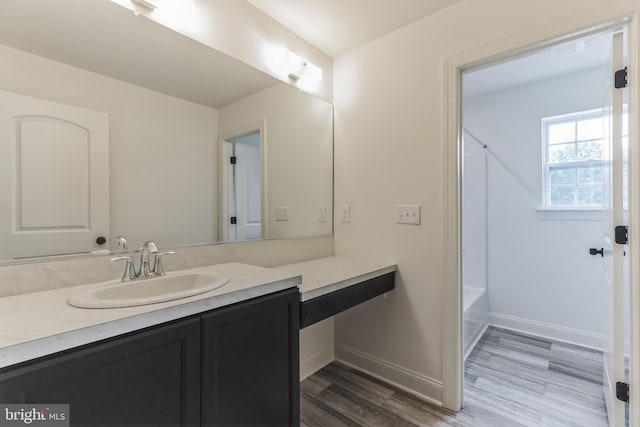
345, 213
282, 213
322, 214
408, 214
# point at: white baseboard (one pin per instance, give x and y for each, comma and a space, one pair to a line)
548, 330
314, 362
421, 386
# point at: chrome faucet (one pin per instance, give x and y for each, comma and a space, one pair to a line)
148, 248
121, 241
144, 271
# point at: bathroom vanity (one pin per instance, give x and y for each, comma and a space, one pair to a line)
226, 357
201, 360
333, 284
202, 370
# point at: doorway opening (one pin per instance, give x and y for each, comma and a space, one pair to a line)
242, 186
544, 184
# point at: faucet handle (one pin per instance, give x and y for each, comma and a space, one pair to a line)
158, 270
129, 271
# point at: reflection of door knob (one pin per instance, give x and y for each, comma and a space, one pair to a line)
595, 251
101, 240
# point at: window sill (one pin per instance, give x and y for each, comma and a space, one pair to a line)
569, 214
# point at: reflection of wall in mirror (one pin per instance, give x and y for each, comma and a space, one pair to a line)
299, 152
162, 148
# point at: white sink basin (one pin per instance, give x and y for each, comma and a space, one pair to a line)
148, 291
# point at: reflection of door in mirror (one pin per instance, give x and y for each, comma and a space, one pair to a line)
242, 198
54, 179
247, 186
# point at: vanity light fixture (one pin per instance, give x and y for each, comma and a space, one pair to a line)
299, 69
146, 4
295, 65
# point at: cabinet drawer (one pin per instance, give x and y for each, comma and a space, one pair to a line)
332, 303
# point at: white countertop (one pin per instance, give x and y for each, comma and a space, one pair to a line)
325, 275
41, 323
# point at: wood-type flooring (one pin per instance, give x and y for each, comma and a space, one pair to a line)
511, 380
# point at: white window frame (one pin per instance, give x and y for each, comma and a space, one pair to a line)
549, 211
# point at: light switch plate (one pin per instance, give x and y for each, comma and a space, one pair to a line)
322, 214
345, 213
408, 214
282, 213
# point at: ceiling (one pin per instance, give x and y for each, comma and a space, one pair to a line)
336, 26
559, 60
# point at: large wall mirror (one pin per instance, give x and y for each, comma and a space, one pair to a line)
112, 125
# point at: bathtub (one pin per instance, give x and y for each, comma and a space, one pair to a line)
475, 308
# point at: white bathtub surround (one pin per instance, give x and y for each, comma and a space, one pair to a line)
474, 240
39, 276
321, 276
476, 318
43, 323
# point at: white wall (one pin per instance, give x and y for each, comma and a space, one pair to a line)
299, 152
389, 149
542, 279
159, 146
316, 347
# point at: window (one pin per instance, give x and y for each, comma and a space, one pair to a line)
573, 161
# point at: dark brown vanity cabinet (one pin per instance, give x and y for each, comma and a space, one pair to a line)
148, 378
250, 363
235, 366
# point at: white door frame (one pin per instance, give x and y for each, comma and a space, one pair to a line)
570, 28
613, 259
224, 176
225, 151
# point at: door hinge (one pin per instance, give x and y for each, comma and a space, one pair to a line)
622, 391
621, 234
621, 78
233, 160
234, 220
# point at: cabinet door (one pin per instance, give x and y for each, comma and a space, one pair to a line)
250, 363
150, 378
